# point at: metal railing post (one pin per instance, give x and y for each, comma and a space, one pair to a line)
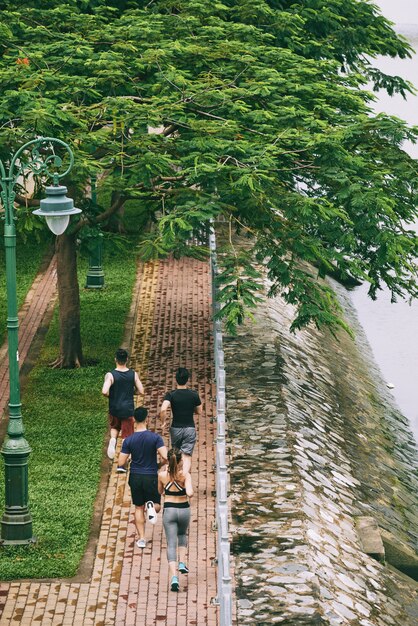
223, 547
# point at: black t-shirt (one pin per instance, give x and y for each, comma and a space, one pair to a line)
183, 403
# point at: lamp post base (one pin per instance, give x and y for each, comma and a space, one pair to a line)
95, 276
16, 528
16, 523
17, 542
95, 280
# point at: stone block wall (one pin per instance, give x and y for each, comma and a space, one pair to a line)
315, 445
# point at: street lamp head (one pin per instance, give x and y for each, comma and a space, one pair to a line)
57, 208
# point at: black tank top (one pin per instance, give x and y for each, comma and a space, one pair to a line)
121, 394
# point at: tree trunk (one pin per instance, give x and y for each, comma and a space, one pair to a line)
71, 354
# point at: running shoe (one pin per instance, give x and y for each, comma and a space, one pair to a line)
175, 584
183, 569
121, 470
150, 512
141, 543
111, 448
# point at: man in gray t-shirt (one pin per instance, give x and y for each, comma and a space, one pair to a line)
184, 404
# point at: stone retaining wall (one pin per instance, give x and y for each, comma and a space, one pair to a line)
313, 446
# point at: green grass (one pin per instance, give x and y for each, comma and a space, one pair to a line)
29, 255
65, 420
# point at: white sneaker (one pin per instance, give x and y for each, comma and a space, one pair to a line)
150, 512
141, 543
111, 448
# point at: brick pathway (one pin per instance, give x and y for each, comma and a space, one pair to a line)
40, 297
128, 585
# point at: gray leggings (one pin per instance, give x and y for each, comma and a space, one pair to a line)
176, 522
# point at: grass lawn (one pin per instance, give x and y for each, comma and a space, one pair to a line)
65, 420
29, 255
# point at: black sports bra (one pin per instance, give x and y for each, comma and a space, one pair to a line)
181, 491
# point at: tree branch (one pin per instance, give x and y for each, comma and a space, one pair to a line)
134, 98
224, 119
118, 202
169, 130
114, 208
25, 201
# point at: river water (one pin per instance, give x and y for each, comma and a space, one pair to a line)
391, 329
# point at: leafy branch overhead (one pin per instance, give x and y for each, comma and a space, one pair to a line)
256, 112
239, 285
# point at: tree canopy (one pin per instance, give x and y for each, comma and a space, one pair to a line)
263, 116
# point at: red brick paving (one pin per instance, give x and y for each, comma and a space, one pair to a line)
128, 585
40, 296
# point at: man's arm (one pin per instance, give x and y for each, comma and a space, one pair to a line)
138, 385
122, 459
163, 413
162, 451
198, 408
108, 382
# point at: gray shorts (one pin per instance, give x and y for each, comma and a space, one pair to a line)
183, 439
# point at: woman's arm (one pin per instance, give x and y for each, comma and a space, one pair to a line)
188, 485
161, 482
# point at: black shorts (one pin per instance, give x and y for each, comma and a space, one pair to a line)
144, 487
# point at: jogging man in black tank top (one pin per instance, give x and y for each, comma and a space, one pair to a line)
119, 386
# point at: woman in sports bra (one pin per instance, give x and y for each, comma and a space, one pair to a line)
177, 489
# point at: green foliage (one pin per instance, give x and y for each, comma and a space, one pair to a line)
238, 286
65, 420
263, 117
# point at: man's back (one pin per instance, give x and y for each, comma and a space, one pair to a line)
121, 393
143, 446
183, 403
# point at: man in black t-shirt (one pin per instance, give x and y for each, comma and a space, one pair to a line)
184, 404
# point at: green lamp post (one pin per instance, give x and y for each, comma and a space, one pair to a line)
36, 156
95, 276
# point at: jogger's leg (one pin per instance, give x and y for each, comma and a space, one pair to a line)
182, 528
111, 448
140, 521
182, 554
187, 462
170, 529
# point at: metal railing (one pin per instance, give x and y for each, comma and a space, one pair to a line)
224, 598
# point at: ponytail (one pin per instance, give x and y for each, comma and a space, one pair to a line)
174, 458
